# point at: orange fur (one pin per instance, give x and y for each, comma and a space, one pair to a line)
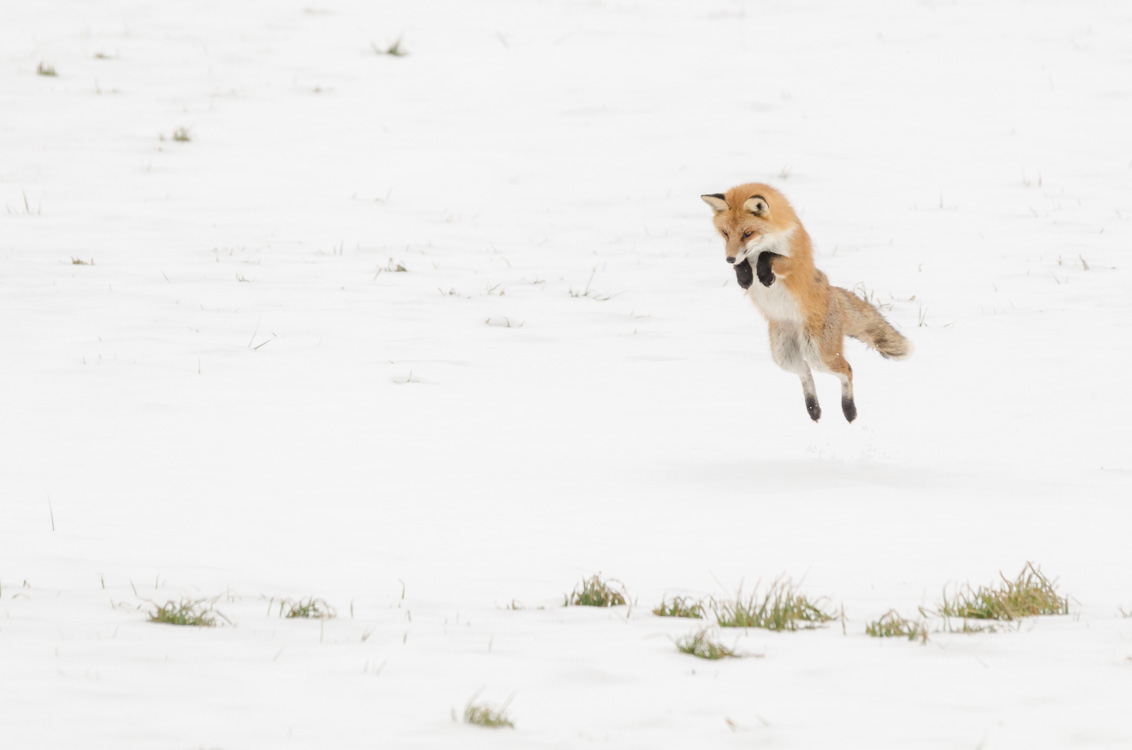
808, 319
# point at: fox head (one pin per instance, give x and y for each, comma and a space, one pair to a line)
751, 218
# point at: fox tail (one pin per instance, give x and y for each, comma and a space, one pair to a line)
865, 323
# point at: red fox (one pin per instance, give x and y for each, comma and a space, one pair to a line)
808, 317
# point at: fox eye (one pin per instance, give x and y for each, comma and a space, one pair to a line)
747, 234
725, 234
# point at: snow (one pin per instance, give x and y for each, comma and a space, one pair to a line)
231, 402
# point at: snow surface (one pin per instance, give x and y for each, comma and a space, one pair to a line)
231, 401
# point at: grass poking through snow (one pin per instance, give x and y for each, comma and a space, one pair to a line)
483, 715
704, 645
393, 50
197, 613
45, 70
780, 608
594, 592
393, 267
588, 292
892, 625
679, 606
1028, 595
310, 608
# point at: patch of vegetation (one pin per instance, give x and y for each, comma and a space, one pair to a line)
45, 70
704, 645
182, 135
483, 715
310, 608
892, 625
197, 613
80, 262
588, 292
679, 606
393, 50
594, 592
780, 608
392, 266
1030, 594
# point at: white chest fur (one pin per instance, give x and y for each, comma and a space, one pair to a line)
775, 302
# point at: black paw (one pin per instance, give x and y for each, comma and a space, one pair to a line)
762, 268
849, 409
743, 274
813, 408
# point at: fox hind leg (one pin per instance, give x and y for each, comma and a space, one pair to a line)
811, 395
786, 349
848, 405
837, 365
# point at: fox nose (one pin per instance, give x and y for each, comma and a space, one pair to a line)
730, 258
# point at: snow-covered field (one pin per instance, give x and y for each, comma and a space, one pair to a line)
235, 396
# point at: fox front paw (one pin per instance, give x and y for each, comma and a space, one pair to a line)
762, 268
743, 274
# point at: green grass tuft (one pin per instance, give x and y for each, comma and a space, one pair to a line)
1030, 594
393, 50
311, 608
182, 135
679, 606
197, 613
45, 70
595, 592
483, 715
892, 625
704, 645
780, 608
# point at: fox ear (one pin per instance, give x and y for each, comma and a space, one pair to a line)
717, 202
757, 205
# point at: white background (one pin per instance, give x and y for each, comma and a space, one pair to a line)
231, 402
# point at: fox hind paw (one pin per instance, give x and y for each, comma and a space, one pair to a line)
813, 408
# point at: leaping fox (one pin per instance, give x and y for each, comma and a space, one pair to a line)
808, 318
